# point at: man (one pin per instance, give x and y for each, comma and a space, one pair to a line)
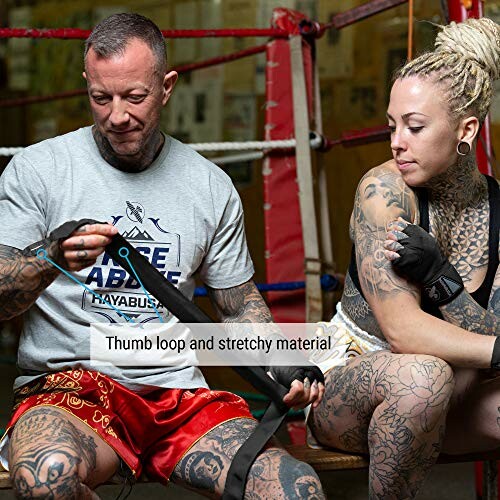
74, 428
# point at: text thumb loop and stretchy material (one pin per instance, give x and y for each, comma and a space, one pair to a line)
187, 312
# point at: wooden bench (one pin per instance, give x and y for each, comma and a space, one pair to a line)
329, 460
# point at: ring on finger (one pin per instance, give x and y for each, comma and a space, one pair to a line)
82, 255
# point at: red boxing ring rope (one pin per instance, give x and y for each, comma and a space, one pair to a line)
221, 59
185, 68
23, 101
80, 34
339, 21
356, 14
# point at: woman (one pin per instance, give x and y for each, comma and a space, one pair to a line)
419, 343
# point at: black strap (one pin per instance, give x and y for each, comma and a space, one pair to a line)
246, 455
423, 208
495, 355
429, 306
63, 231
187, 312
482, 294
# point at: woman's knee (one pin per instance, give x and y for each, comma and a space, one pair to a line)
382, 376
418, 389
425, 377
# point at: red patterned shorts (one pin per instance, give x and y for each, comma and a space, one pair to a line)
151, 432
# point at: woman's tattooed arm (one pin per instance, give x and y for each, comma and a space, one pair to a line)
465, 312
381, 196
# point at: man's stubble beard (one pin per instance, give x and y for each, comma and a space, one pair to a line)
136, 162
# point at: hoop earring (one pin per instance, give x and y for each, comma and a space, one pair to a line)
463, 148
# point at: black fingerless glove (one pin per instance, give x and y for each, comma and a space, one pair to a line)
285, 375
421, 261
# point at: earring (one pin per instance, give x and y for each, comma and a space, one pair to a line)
463, 148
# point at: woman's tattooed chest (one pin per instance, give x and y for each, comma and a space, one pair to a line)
463, 237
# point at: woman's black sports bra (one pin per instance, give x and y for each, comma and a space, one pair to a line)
482, 294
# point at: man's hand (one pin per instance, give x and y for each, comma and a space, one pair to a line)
415, 254
83, 246
307, 384
244, 304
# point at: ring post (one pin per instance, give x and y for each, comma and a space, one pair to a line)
286, 228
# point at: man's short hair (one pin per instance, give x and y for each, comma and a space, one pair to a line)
112, 35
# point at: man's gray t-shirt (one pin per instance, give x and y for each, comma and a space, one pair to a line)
182, 213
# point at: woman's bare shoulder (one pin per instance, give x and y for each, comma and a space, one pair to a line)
387, 169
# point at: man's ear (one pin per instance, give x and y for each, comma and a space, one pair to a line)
84, 75
468, 129
168, 85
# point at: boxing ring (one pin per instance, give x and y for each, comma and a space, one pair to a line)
299, 267
296, 208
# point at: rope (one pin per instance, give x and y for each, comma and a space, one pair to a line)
356, 14
315, 142
224, 160
185, 68
243, 146
339, 21
350, 138
329, 283
80, 34
23, 101
10, 151
221, 59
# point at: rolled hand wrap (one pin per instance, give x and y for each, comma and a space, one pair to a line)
421, 261
285, 375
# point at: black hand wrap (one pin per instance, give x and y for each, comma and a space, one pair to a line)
63, 231
421, 261
285, 375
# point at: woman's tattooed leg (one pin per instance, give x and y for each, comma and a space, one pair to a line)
393, 406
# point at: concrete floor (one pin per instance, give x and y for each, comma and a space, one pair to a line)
453, 482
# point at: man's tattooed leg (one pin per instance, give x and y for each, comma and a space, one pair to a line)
393, 406
53, 455
275, 474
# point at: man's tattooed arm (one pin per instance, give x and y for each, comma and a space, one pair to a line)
22, 279
240, 304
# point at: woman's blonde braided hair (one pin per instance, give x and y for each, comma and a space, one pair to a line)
466, 59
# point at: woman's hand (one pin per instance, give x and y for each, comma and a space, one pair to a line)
415, 254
